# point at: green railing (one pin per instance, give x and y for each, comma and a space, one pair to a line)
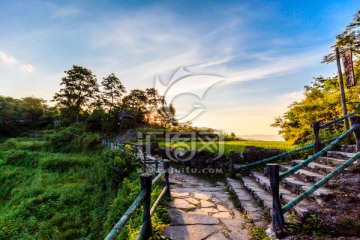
319, 184
144, 197
275, 177
235, 167
318, 154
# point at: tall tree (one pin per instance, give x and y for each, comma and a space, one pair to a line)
135, 103
79, 90
113, 90
33, 108
348, 39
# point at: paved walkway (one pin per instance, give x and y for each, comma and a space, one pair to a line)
200, 210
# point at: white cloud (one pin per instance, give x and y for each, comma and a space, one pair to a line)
7, 58
27, 68
291, 97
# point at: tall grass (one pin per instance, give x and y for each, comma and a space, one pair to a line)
50, 193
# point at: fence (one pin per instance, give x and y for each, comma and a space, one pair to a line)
273, 169
144, 197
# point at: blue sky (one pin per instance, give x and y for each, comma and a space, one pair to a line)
265, 50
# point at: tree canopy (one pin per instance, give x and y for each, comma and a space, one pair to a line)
322, 101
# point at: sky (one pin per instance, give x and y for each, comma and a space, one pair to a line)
243, 62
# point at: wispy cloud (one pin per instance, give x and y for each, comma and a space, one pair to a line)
7, 58
27, 68
10, 60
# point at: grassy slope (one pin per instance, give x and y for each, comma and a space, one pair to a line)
54, 195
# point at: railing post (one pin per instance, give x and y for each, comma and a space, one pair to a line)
316, 128
232, 168
145, 160
145, 181
156, 162
356, 121
277, 215
166, 177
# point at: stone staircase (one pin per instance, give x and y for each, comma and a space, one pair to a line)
254, 194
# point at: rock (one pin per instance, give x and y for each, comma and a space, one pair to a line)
181, 204
217, 236
179, 217
191, 232
206, 204
253, 154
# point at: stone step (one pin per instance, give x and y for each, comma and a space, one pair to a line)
304, 175
330, 161
292, 187
340, 155
348, 148
266, 197
261, 195
314, 166
248, 203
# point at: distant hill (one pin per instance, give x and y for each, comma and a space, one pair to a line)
262, 137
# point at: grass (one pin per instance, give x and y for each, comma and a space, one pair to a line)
49, 194
226, 146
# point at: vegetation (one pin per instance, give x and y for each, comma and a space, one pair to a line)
227, 146
322, 98
66, 186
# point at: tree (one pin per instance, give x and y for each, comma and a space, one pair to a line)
80, 89
33, 109
321, 103
348, 39
135, 103
113, 91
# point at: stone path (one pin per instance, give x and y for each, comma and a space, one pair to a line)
202, 211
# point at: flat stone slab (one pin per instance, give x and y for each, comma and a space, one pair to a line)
181, 204
238, 236
206, 210
202, 196
206, 204
234, 225
190, 232
217, 236
210, 189
179, 217
222, 208
192, 200
179, 194
222, 215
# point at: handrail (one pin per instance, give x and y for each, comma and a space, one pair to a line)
156, 203
285, 154
320, 183
125, 218
328, 124
318, 154
140, 199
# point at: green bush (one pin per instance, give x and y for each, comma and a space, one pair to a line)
75, 139
11, 143
23, 158
59, 163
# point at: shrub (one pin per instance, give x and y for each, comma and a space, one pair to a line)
58, 163
11, 143
74, 139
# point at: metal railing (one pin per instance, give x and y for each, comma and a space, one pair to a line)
275, 177
144, 197
316, 144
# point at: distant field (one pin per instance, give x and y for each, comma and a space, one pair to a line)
227, 146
